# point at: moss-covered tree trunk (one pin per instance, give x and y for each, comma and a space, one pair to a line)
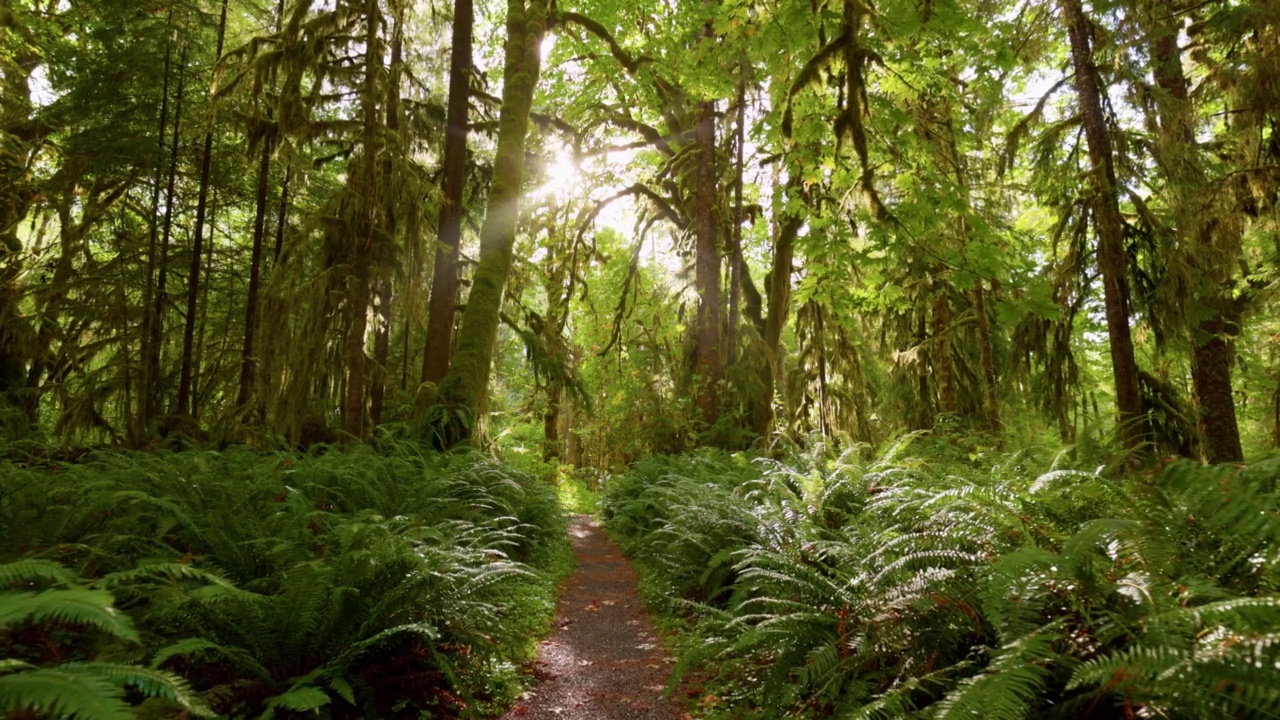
778, 287
1210, 233
706, 226
466, 383
990, 392
23, 136
941, 355
368, 222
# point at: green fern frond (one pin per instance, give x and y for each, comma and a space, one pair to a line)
8, 665
149, 682
297, 699
31, 570
199, 646
62, 694
1011, 683
90, 608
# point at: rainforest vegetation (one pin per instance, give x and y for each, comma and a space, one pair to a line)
925, 353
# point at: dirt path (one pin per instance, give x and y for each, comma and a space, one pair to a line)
604, 661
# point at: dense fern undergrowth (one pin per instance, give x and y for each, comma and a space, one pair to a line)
388, 582
828, 586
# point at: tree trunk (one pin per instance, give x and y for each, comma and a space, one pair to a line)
382, 334
735, 258
198, 386
1213, 242
381, 352
248, 362
17, 192
1112, 262
197, 245
282, 216
707, 265
551, 425
444, 281
944, 369
153, 240
368, 224
464, 386
990, 393
155, 393
353, 409
779, 299
1211, 378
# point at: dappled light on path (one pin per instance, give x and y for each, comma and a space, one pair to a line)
604, 661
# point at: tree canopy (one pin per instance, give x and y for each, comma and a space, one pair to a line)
642, 226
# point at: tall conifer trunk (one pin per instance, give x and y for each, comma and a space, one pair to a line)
248, 362
384, 290
367, 223
154, 393
1112, 262
197, 245
466, 383
735, 259
1213, 242
444, 281
153, 240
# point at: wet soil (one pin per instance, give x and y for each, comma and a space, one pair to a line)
604, 660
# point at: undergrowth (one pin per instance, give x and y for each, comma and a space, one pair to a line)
388, 583
825, 585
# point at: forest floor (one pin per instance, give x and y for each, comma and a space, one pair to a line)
604, 661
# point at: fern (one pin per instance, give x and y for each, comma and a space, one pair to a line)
87, 608
887, 589
31, 571
149, 682
62, 693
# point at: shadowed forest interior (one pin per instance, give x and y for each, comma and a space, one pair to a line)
922, 354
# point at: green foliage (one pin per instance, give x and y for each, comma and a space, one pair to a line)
825, 584
75, 616
277, 584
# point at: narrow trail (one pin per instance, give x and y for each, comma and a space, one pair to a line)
604, 661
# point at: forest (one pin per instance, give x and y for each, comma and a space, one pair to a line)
923, 355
